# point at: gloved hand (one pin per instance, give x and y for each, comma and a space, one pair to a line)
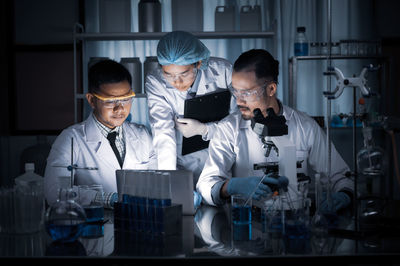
113, 199
197, 199
282, 182
247, 185
190, 127
339, 200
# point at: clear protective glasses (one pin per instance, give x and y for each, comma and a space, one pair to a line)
190, 74
111, 102
250, 95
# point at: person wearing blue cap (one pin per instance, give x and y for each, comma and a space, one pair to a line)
186, 70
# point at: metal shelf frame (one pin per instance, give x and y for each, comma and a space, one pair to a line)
79, 35
293, 67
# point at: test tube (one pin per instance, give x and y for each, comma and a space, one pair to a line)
141, 183
166, 194
152, 182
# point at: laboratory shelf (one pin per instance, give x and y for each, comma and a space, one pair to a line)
83, 96
326, 57
134, 36
82, 37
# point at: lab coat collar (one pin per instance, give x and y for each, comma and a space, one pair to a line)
208, 76
93, 133
287, 112
99, 143
131, 145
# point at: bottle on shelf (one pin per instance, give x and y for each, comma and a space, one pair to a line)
301, 42
314, 48
149, 16
29, 178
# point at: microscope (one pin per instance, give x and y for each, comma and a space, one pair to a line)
273, 132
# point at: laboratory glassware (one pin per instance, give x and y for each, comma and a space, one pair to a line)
301, 42
370, 163
65, 219
241, 218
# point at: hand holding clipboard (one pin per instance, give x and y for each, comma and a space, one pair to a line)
206, 108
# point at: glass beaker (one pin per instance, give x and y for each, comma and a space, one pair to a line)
241, 217
296, 229
65, 219
94, 210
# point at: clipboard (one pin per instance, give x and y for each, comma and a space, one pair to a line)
209, 107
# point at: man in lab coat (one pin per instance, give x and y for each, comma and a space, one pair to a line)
186, 71
235, 147
105, 140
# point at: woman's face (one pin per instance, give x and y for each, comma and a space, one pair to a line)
181, 77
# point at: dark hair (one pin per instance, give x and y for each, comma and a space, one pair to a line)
260, 61
107, 71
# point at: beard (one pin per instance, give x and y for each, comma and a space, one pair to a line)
246, 112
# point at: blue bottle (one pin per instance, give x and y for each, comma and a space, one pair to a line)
301, 42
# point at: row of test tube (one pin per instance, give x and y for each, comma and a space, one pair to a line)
140, 207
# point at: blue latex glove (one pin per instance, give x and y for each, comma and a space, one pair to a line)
339, 200
282, 182
113, 199
197, 199
247, 185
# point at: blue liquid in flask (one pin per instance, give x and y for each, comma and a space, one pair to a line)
60, 231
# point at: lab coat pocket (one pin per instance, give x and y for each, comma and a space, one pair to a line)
139, 165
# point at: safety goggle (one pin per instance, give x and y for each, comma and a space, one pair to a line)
248, 95
185, 76
111, 102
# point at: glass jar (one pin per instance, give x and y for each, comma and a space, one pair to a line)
370, 48
314, 48
335, 48
324, 48
353, 47
65, 219
361, 48
344, 47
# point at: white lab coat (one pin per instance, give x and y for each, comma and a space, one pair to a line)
165, 103
235, 148
92, 149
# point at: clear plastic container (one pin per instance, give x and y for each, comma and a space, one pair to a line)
29, 178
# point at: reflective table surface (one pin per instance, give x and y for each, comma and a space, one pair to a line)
209, 234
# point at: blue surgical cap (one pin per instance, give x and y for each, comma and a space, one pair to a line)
182, 48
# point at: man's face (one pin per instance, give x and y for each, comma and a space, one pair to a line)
181, 77
252, 93
107, 109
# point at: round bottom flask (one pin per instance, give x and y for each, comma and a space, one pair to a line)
65, 219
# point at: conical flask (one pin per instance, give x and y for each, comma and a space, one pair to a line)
65, 219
